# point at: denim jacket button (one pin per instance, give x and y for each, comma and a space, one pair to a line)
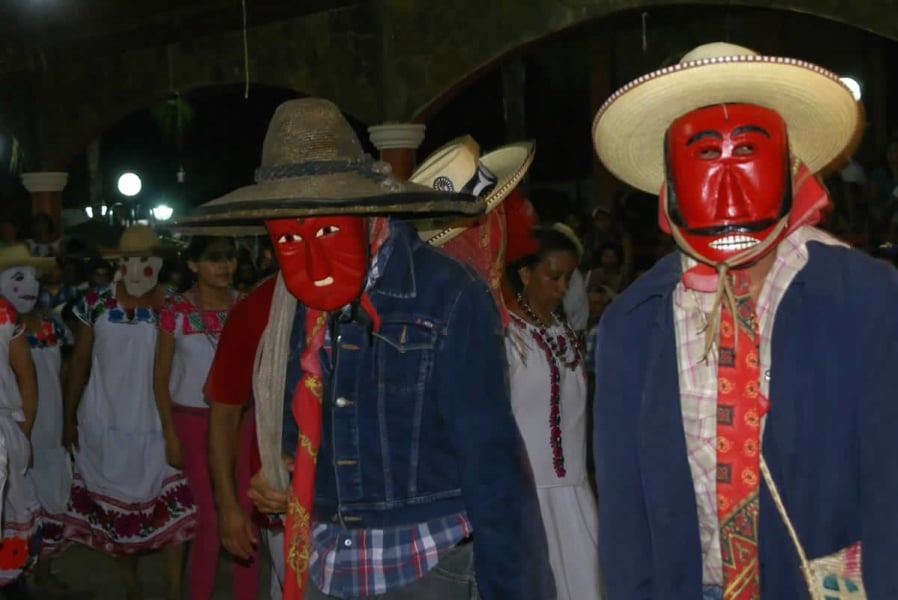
347, 542
341, 402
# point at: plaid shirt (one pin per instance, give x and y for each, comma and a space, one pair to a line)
698, 379
350, 563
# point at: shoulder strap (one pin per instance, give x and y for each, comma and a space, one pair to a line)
778, 501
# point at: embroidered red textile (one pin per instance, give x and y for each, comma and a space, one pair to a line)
740, 407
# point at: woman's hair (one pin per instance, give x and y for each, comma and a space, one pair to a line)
550, 240
200, 243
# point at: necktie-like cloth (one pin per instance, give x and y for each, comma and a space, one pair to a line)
740, 407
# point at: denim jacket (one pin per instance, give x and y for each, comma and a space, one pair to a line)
417, 419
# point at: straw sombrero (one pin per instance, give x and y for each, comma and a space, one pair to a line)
138, 240
458, 166
313, 164
17, 255
823, 118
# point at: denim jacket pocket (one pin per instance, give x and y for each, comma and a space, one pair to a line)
405, 355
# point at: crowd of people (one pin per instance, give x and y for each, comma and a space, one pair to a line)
418, 390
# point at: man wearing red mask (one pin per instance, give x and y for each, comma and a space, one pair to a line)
744, 404
379, 380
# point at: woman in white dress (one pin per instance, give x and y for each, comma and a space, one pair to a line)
19, 546
126, 499
51, 471
547, 372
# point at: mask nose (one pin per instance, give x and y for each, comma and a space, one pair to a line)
731, 202
317, 265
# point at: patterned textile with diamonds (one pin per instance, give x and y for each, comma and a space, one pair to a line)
740, 406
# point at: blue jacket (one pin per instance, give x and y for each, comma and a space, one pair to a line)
829, 438
417, 420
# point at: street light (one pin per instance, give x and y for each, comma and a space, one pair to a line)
129, 184
90, 211
163, 212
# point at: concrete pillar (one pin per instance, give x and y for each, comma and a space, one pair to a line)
397, 143
46, 188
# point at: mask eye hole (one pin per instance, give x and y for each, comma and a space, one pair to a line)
743, 150
327, 230
18, 277
289, 238
709, 153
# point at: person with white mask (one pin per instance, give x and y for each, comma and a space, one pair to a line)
18, 406
126, 500
51, 471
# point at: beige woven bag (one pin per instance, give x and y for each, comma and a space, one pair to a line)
833, 577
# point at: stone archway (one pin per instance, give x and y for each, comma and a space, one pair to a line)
438, 47
321, 54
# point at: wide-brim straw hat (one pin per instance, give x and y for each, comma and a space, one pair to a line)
313, 164
823, 119
139, 240
18, 255
458, 165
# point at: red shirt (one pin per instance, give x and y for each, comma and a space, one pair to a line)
230, 378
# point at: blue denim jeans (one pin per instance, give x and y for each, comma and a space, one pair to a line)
451, 579
712, 592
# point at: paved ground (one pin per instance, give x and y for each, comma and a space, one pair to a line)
89, 571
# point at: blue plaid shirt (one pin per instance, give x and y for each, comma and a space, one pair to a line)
350, 563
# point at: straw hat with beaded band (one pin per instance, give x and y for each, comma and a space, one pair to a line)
823, 118
313, 165
458, 165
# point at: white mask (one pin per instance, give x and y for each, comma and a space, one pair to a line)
140, 273
19, 286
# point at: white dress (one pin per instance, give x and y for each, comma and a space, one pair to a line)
125, 498
52, 468
567, 502
21, 510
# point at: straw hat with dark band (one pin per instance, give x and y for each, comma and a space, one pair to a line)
313, 164
459, 166
822, 116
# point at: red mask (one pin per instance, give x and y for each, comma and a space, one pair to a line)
324, 260
728, 178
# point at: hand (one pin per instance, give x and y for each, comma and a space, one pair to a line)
174, 451
266, 498
70, 436
237, 533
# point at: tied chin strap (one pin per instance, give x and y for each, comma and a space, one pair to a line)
724, 290
809, 200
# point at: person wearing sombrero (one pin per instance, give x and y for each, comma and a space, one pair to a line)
379, 383
126, 500
20, 543
51, 468
745, 407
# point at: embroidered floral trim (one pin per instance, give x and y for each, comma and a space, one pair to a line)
193, 318
120, 528
101, 300
51, 334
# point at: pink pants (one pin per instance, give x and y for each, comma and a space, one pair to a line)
192, 427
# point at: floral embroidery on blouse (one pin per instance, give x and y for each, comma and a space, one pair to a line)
180, 315
101, 300
52, 333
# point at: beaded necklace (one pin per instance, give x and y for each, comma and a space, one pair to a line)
211, 336
556, 351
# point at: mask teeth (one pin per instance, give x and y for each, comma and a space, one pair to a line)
735, 243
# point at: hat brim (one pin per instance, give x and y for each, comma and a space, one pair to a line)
822, 116
40, 264
330, 194
509, 164
158, 251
